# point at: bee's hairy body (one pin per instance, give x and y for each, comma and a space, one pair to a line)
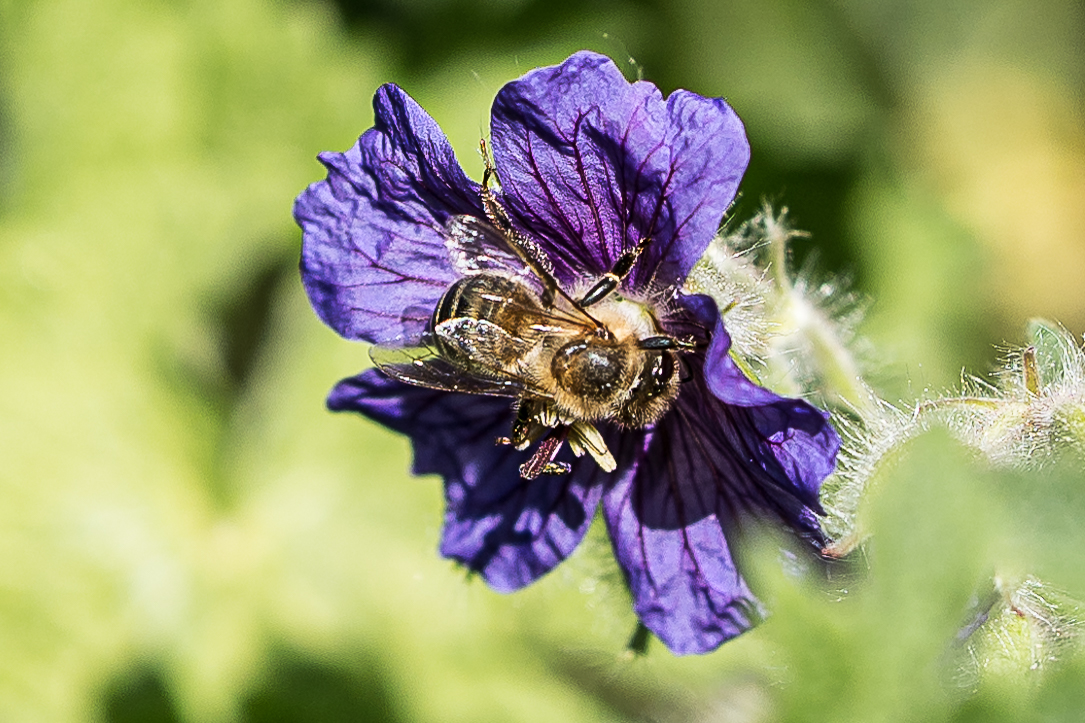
586, 373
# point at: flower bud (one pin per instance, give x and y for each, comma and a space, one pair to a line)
1016, 628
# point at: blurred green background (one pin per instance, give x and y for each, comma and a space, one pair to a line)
187, 535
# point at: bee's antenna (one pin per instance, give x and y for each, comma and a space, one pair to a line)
661, 343
611, 279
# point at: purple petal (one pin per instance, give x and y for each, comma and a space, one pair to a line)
590, 164
803, 443
740, 464
509, 529
800, 436
708, 468
374, 261
686, 588
724, 378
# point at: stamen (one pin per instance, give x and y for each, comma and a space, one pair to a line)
536, 421
584, 437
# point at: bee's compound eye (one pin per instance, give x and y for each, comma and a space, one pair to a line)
590, 369
655, 376
653, 391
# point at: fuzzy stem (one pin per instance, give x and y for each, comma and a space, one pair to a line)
778, 239
839, 370
937, 405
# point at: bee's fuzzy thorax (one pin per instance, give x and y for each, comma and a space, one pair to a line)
626, 318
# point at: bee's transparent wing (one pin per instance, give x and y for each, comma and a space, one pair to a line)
420, 366
484, 343
476, 246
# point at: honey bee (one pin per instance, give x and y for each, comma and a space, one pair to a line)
508, 328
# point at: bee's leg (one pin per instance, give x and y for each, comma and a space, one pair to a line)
526, 249
495, 212
557, 468
611, 279
520, 436
490, 171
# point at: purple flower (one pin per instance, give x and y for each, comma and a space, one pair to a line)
596, 175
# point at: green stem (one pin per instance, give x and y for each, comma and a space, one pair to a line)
936, 405
638, 642
778, 247
838, 367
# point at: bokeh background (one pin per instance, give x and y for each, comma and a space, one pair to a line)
187, 535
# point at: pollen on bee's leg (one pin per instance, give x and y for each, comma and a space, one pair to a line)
542, 462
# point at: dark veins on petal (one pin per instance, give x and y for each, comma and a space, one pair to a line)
373, 259
707, 469
591, 164
713, 459
685, 585
802, 441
